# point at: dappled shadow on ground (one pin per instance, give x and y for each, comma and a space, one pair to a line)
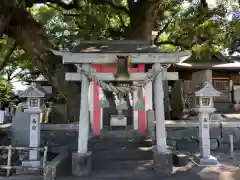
229, 171
142, 170
223, 173
190, 172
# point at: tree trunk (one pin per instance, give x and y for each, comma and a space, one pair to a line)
31, 37
177, 101
141, 21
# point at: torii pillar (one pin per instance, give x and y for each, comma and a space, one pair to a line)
163, 163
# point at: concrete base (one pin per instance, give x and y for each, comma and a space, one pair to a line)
60, 166
163, 163
81, 164
179, 159
30, 167
211, 161
31, 163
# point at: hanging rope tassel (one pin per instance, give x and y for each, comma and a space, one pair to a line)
139, 105
120, 114
104, 102
129, 59
122, 104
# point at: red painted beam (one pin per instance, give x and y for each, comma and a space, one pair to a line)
141, 113
96, 108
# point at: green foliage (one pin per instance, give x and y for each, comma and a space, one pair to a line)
193, 26
6, 93
205, 31
93, 22
15, 64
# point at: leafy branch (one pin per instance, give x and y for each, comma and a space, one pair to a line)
112, 4
7, 56
165, 27
73, 5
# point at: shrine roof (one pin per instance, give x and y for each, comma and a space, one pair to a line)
217, 61
115, 46
210, 65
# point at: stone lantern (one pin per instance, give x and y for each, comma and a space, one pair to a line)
35, 99
205, 106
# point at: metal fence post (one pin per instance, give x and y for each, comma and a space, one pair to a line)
231, 145
9, 160
10, 149
45, 156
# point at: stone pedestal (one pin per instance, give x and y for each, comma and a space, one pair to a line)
210, 161
163, 163
81, 164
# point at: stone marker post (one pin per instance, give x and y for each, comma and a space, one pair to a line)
205, 107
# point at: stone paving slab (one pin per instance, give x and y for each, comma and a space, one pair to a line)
229, 171
190, 172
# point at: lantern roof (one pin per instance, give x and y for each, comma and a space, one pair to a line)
41, 78
206, 89
33, 90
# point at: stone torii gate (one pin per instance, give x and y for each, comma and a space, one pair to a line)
91, 53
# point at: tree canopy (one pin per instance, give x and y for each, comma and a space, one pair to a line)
31, 29
184, 24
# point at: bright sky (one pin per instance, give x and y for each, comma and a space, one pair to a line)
38, 5
19, 86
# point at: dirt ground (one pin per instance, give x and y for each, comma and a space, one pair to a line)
229, 170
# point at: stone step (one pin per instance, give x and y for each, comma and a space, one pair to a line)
122, 154
128, 133
118, 174
124, 174
120, 144
129, 165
